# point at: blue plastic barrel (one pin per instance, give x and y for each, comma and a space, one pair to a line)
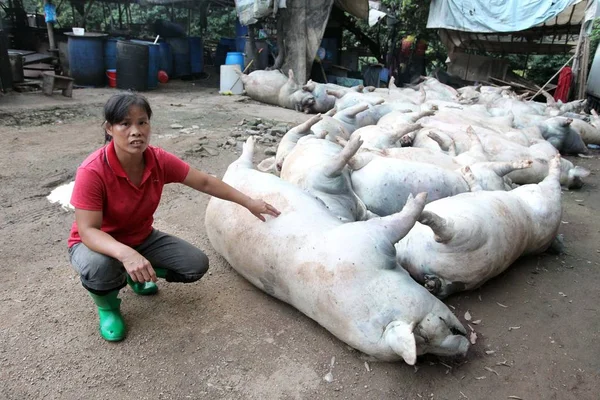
153, 62
196, 54
165, 58
240, 30
235, 58
181, 56
110, 53
86, 59
240, 44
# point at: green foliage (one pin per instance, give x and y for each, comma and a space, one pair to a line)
408, 17
104, 17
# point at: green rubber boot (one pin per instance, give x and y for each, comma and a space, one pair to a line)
142, 288
112, 326
161, 273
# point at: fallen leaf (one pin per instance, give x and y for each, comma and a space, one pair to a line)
503, 363
491, 370
476, 322
367, 367
562, 294
473, 337
480, 377
488, 352
512, 328
515, 397
468, 316
502, 305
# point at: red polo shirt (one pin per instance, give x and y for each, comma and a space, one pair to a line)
101, 184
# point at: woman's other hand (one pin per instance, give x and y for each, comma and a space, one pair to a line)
138, 267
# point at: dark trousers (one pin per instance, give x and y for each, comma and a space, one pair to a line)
101, 274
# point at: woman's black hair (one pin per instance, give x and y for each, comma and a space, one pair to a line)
117, 108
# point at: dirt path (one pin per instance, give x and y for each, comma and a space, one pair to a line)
223, 338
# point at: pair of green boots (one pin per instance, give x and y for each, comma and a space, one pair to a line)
112, 326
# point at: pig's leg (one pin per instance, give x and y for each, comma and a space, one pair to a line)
445, 142
394, 227
475, 142
442, 229
422, 95
360, 160
470, 178
403, 133
338, 94
502, 168
306, 125
336, 165
245, 159
353, 111
422, 114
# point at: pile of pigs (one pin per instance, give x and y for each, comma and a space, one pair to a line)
396, 198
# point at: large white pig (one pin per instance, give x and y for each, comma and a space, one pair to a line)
384, 183
273, 87
343, 276
462, 241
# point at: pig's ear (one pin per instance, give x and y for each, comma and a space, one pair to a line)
400, 337
309, 87
267, 165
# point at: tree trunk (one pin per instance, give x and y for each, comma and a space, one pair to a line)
303, 23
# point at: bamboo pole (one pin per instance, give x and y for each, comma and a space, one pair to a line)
50, 29
550, 80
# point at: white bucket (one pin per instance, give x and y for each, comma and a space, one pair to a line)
229, 76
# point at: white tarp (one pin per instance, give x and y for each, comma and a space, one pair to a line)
506, 15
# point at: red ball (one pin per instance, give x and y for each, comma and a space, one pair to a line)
163, 77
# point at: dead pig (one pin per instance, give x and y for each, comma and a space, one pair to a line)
273, 87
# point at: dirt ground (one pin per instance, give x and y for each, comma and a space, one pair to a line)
539, 335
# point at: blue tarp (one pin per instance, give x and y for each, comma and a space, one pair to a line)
494, 15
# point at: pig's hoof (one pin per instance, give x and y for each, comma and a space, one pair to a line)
432, 283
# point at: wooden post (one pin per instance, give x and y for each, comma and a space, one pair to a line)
50, 29
583, 71
120, 16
